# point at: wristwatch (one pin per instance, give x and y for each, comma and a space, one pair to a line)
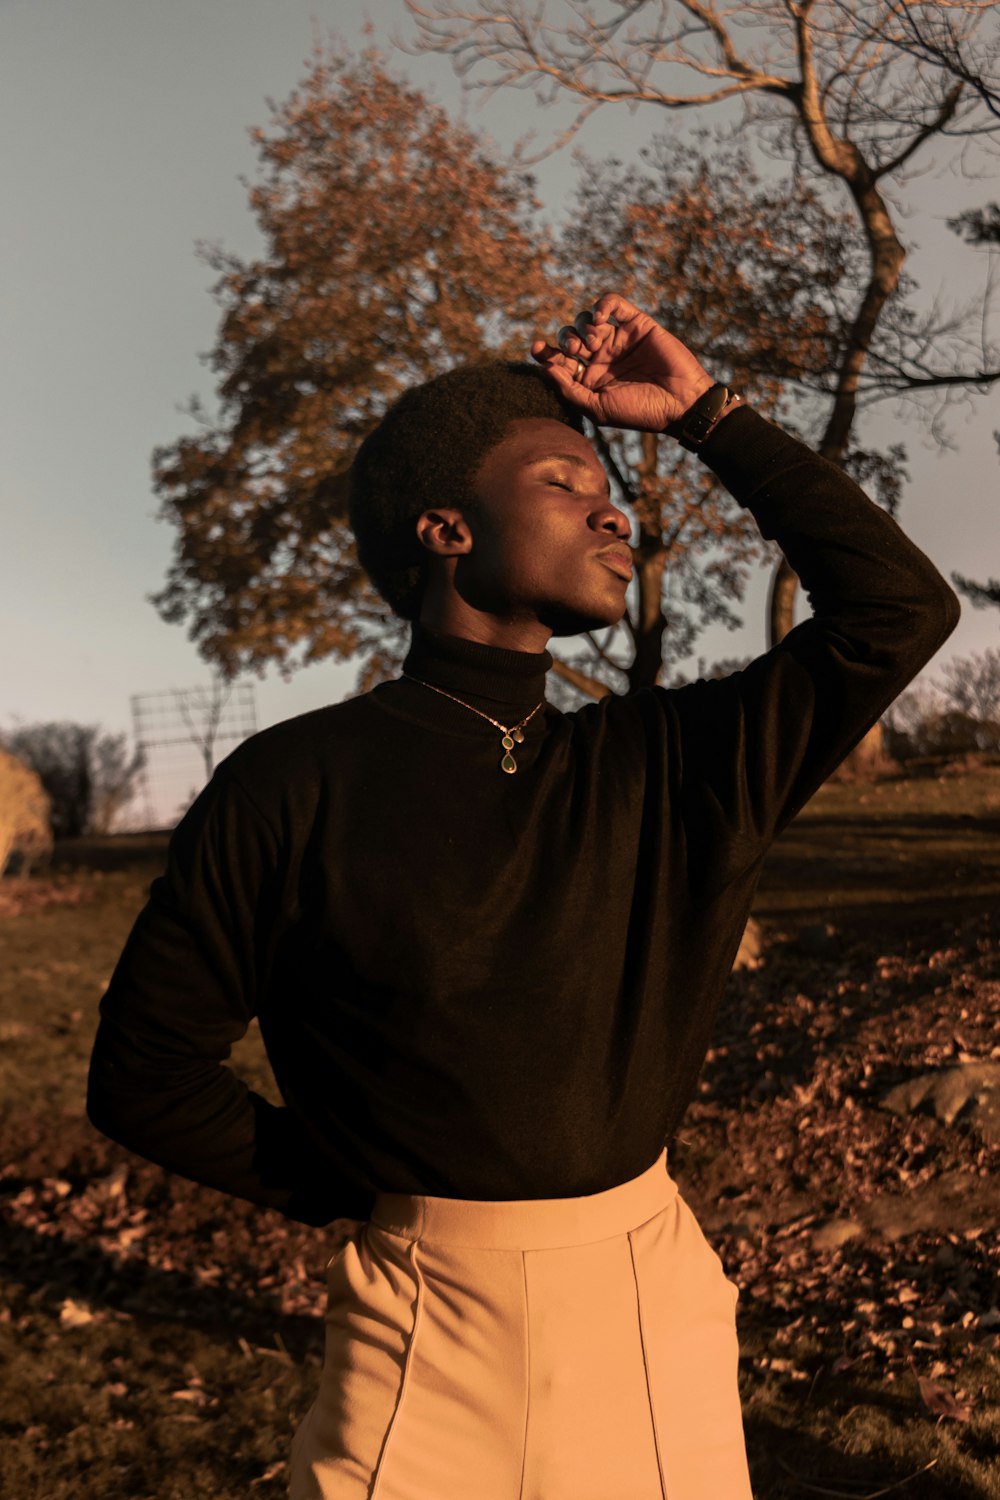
704, 416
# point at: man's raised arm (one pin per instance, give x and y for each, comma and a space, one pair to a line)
761, 741
751, 748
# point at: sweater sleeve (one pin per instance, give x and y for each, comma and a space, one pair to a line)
755, 745
185, 989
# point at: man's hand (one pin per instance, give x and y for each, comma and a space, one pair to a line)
635, 373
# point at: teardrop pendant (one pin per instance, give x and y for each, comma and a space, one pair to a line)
511, 737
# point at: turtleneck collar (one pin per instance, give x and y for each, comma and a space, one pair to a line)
496, 680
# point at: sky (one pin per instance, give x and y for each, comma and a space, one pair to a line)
126, 129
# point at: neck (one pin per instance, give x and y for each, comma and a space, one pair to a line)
499, 681
451, 615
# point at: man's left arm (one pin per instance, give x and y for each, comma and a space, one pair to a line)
761, 741
749, 749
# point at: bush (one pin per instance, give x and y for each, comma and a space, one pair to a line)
957, 715
25, 830
88, 775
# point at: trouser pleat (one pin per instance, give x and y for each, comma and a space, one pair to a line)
691, 1354
579, 1349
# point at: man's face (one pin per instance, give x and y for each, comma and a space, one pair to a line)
547, 542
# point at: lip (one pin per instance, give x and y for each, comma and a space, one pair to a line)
618, 560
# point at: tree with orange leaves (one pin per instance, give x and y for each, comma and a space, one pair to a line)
393, 239
397, 244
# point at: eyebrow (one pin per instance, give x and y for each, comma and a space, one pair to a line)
567, 458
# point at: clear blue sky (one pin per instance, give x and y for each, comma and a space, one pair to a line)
125, 128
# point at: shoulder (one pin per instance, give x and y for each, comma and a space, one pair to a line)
621, 712
297, 754
620, 722
653, 718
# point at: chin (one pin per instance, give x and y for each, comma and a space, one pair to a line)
569, 621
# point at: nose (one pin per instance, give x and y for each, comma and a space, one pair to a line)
612, 520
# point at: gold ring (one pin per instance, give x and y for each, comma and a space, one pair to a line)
579, 371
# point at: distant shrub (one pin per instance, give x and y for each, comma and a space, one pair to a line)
89, 776
957, 715
24, 812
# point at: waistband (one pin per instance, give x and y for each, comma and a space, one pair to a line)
528, 1223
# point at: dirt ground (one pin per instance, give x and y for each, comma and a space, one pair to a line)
159, 1340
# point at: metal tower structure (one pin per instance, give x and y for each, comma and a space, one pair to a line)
180, 731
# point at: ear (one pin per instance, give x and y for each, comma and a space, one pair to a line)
445, 533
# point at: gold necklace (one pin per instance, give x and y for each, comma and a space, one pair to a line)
511, 737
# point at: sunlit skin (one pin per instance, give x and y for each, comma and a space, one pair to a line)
544, 551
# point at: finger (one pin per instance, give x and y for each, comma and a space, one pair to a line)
613, 305
554, 359
548, 354
592, 336
570, 341
562, 375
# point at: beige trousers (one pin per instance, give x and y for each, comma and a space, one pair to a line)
540, 1349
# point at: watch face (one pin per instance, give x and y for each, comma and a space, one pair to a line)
704, 415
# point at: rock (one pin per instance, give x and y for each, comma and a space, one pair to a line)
751, 951
819, 939
835, 1232
970, 1091
950, 1203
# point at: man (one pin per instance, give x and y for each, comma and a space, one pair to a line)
485, 940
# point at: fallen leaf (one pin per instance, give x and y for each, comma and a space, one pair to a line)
74, 1314
940, 1402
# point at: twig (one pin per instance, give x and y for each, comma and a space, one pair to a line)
819, 1489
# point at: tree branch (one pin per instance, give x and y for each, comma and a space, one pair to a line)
601, 652
940, 120
592, 686
604, 450
897, 383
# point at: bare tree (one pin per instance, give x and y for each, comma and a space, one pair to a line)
971, 685
851, 91
979, 593
906, 720
956, 713
201, 712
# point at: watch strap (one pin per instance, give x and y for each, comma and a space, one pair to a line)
704, 416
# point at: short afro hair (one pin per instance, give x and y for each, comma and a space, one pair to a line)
425, 452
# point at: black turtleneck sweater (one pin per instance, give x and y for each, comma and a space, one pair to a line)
478, 985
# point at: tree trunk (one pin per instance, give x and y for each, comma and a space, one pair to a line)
781, 602
647, 631
650, 562
886, 260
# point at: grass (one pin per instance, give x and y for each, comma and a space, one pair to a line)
157, 1340
895, 851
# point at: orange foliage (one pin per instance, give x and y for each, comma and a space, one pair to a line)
397, 243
